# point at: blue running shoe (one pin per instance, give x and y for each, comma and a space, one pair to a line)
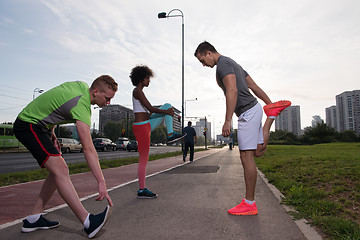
41, 223
97, 222
175, 137
145, 193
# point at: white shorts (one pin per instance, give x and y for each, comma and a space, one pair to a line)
250, 131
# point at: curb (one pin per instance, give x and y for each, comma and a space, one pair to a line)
304, 226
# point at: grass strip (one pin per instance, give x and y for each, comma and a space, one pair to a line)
322, 182
39, 174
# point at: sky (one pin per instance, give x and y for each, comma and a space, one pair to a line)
303, 51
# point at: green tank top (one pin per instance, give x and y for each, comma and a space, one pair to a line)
65, 103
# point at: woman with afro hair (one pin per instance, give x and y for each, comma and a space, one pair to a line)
147, 119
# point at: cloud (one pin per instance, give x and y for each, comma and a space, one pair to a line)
306, 51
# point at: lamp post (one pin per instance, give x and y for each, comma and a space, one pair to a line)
96, 119
205, 130
37, 90
164, 15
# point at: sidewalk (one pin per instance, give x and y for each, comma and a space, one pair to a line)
20, 198
192, 204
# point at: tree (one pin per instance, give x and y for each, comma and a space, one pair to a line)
322, 133
159, 135
277, 135
347, 136
128, 129
200, 141
96, 134
282, 137
112, 130
63, 132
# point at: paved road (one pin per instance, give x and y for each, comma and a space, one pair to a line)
19, 162
192, 204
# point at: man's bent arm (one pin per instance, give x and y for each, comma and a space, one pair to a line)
92, 159
257, 90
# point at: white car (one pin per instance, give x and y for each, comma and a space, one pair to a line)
69, 145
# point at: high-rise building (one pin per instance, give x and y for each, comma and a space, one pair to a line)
348, 111
316, 120
200, 128
289, 120
331, 117
115, 113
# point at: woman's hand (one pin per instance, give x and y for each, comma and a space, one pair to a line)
170, 111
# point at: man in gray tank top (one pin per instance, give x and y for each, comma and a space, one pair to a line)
252, 137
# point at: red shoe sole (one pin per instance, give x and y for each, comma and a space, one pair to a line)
245, 214
282, 103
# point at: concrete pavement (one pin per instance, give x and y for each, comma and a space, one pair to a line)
192, 204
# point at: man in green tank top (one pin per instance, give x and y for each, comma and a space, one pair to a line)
69, 102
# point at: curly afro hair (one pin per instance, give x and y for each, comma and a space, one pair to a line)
139, 73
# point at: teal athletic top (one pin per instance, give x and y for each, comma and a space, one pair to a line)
65, 103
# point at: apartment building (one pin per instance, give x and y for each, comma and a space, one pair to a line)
289, 120
348, 111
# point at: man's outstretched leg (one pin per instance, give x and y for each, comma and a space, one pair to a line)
58, 168
271, 110
35, 220
92, 223
59, 179
47, 190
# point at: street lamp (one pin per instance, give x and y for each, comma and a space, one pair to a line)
164, 15
189, 101
37, 90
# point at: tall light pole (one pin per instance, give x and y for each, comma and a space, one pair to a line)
37, 90
164, 15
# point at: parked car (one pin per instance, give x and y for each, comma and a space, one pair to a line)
121, 143
104, 144
132, 145
69, 145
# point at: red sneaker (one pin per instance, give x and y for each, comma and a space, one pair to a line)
244, 209
274, 109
